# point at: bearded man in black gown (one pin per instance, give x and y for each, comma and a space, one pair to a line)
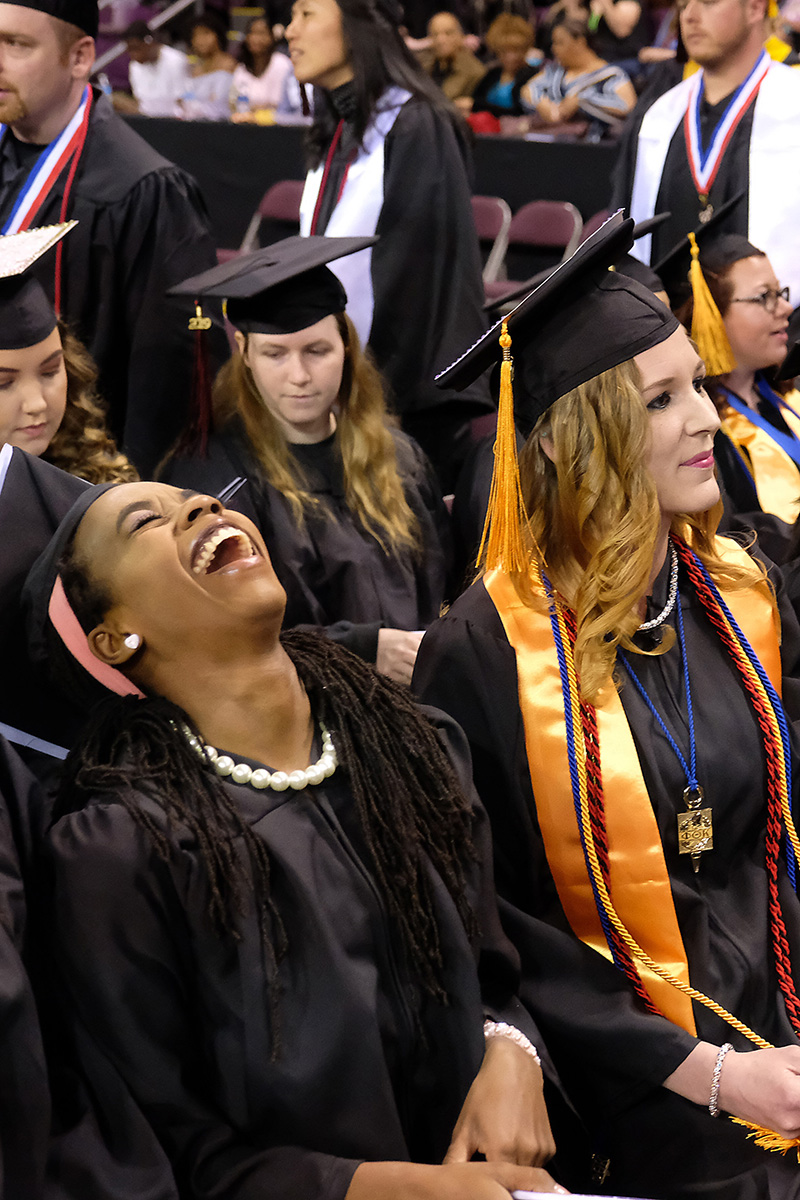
142, 227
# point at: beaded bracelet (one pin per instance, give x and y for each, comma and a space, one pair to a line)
492, 1029
713, 1105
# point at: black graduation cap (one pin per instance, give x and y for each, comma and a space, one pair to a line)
27, 315
673, 267
583, 320
83, 13
280, 289
626, 265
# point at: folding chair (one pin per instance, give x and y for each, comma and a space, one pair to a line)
492, 218
279, 205
538, 232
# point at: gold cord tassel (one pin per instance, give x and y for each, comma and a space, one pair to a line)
708, 328
505, 516
767, 1139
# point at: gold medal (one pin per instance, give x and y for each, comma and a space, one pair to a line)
695, 827
707, 211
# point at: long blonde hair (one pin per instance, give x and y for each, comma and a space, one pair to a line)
595, 518
82, 444
373, 487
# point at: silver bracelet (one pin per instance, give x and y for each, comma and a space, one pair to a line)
713, 1105
493, 1029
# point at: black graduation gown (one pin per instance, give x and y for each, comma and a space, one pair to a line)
34, 498
365, 1068
677, 194
142, 228
612, 1056
335, 575
425, 276
24, 1092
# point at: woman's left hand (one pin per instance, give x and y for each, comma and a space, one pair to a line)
504, 1116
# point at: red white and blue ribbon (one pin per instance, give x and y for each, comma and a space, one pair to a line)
48, 167
704, 165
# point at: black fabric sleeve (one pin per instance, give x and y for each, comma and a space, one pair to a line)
124, 946
424, 318
158, 236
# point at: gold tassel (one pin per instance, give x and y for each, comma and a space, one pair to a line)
767, 1139
708, 328
772, 10
505, 516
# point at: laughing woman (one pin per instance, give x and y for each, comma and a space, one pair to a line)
347, 504
286, 944
616, 671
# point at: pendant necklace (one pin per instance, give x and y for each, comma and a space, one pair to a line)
695, 826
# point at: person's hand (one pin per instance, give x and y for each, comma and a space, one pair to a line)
397, 653
504, 1116
453, 1181
568, 108
243, 118
547, 109
763, 1086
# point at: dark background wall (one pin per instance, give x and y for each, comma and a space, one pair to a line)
235, 164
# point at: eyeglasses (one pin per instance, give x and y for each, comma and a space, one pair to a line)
768, 299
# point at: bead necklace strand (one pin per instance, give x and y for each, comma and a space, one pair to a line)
259, 777
671, 598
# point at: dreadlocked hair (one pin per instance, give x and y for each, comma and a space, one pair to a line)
408, 800
134, 747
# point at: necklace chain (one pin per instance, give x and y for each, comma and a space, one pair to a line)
671, 598
260, 777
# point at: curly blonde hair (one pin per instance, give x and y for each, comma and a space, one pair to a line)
82, 444
373, 487
595, 518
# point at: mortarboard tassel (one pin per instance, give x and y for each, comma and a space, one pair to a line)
708, 328
194, 438
505, 516
772, 10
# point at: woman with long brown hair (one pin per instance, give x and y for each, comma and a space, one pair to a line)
347, 503
617, 669
49, 406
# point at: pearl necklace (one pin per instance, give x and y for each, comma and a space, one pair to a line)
260, 778
671, 598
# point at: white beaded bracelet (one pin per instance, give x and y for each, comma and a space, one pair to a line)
492, 1029
713, 1102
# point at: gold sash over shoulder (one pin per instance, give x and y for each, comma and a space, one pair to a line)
776, 477
640, 883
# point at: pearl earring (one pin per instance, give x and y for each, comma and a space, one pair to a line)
133, 641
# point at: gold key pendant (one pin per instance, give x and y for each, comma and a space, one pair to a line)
695, 827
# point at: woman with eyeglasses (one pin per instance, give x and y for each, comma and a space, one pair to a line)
758, 446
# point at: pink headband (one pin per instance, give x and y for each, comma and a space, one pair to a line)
68, 628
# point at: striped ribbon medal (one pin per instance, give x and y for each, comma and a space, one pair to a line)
704, 165
49, 165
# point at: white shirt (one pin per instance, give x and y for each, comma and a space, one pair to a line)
158, 85
265, 90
